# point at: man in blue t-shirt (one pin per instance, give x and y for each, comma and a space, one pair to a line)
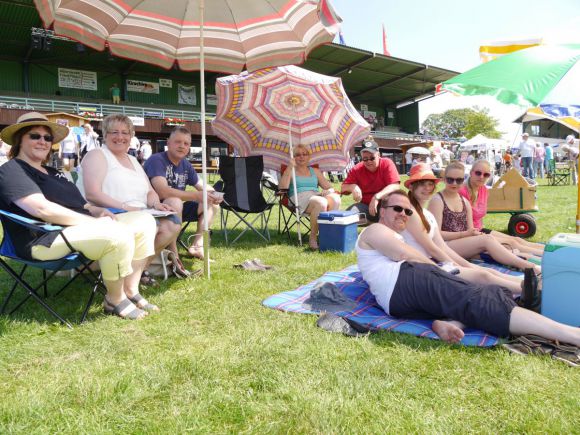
170, 173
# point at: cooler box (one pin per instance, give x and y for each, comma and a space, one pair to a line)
337, 230
561, 279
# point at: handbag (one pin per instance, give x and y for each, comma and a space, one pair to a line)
166, 264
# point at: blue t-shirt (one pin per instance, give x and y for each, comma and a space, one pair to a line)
178, 177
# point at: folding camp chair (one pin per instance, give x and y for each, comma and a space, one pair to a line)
243, 197
287, 213
73, 261
558, 176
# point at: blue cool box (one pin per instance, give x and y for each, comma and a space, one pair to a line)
337, 230
561, 279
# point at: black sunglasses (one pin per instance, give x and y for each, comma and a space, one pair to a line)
451, 180
37, 136
479, 174
399, 209
366, 159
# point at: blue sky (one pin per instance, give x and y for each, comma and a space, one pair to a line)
448, 33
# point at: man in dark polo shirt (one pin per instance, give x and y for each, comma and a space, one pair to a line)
170, 173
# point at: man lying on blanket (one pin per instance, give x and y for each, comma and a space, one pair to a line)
407, 284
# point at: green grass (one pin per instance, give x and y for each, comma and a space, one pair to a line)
215, 361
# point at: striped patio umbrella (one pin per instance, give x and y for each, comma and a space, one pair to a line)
220, 35
265, 112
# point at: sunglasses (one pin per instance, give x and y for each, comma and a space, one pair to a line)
479, 174
451, 180
399, 209
301, 155
367, 159
37, 136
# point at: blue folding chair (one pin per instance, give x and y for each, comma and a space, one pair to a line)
73, 261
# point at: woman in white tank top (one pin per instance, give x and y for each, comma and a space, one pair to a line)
113, 178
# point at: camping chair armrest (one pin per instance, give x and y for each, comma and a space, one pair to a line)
31, 223
282, 192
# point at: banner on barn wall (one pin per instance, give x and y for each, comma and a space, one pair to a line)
186, 95
143, 87
77, 79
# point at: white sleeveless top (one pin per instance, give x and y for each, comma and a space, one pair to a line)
410, 240
123, 184
379, 272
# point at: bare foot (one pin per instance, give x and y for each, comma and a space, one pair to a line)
448, 331
313, 244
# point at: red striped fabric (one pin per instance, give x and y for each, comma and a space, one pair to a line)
238, 34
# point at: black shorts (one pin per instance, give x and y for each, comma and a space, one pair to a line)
189, 213
424, 291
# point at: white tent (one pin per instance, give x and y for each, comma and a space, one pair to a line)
482, 143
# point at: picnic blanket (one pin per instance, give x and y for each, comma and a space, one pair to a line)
367, 312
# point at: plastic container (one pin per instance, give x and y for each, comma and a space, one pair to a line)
337, 230
561, 279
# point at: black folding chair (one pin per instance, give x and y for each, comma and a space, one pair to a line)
243, 199
73, 261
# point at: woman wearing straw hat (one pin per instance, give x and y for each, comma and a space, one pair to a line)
423, 234
121, 244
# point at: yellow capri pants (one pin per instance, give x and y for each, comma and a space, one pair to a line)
114, 244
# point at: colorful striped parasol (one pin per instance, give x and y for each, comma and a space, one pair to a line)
265, 112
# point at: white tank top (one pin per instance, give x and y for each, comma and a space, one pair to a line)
379, 272
123, 184
410, 240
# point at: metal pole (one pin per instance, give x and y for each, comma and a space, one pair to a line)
296, 208
206, 267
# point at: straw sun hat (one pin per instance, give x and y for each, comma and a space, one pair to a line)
59, 132
421, 171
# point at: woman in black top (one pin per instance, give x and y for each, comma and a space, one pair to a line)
120, 243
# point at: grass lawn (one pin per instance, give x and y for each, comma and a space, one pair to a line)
215, 361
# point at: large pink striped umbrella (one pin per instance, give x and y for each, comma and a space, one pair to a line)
265, 112
220, 35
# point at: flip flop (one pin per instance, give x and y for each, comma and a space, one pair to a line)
572, 359
142, 303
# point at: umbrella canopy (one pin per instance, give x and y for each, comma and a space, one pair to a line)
238, 33
253, 33
546, 76
265, 112
419, 150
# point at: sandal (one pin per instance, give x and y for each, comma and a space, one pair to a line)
259, 263
147, 280
142, 303
249, 265
119, 310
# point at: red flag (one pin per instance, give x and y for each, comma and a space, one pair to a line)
385, 51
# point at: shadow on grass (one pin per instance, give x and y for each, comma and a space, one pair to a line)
70, 304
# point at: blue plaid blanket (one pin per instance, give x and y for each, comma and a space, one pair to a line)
367, 312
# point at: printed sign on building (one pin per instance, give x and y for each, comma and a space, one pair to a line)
166, 83
186, 95
77, 79
143, 87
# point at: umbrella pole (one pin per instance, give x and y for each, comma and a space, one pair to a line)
206, 268
296, 208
